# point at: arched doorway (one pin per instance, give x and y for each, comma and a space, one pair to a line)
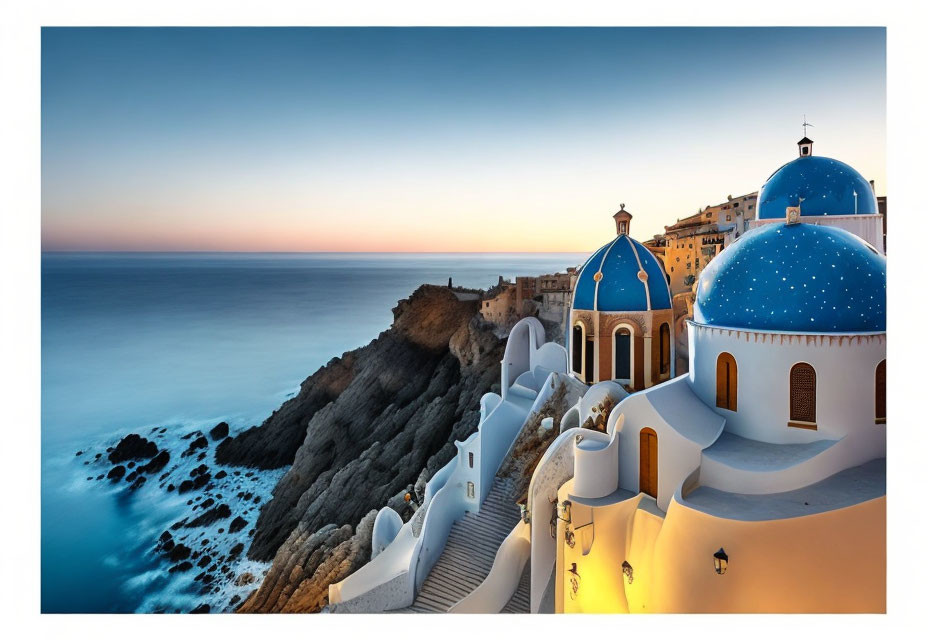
622, 354
576, 344
647, 462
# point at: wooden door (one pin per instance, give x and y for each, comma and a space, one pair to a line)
647, 465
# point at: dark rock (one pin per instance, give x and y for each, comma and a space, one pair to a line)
133, 447
211, 516
156, 464
132, 476
138, 483
100, 477
185, 486
80, 453
204, 561
99, 455
220, 475
179, 552
200, 443
116, 472
206, 504
235, 600
236, 550
198, 470
186, 565
220, 431
203, 608
367, 424
192, 434
201, 480
202, 456
178, 525
237, 525
171, 487
131, 465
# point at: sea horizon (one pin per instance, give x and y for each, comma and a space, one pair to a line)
136, 342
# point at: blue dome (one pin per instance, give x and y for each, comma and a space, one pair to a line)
620, 288
825, 186
797, 277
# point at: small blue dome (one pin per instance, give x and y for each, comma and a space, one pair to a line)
825, 187
797, 277
620, 288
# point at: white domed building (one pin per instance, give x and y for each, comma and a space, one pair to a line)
621, 318
754, 483
821, 191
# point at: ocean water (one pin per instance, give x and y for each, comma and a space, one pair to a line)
164, 344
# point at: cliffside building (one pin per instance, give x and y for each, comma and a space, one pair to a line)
756, 482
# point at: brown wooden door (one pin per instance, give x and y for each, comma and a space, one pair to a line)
647, 465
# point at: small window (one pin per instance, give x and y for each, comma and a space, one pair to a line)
880, 384
665, 347
802, 396
470, 459
726, 382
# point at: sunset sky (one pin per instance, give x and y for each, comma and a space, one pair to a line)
432, 139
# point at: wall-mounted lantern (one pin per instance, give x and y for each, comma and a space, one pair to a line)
628, 571
470, 490
570, 538
574, 580
563, 511
721, 561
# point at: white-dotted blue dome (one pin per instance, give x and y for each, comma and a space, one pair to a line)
795, 277
622, 276
819, 186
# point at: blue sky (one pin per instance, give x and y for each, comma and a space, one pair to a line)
432, 139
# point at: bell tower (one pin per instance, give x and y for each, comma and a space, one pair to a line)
623, 220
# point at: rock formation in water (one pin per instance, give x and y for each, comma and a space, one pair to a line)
363, 430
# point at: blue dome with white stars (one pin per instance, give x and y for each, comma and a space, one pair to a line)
795, 277
820, 186
622, 276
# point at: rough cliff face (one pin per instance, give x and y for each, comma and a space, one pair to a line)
362, 431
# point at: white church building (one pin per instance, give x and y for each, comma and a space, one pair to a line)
754, 483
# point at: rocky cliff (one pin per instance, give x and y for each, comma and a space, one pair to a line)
363, 430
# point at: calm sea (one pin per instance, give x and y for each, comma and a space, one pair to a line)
132, 342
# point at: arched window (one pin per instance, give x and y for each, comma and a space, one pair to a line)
802, 396
726, 382
576, 344
623, 353
880, 384
665, 348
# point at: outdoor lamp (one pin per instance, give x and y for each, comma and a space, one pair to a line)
721, 561
563, 511
628, 571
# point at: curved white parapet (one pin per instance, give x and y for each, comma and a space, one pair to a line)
596, 460
488, 402
387, 525
527, 352
501, 583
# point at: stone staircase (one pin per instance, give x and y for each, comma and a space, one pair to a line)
469, 554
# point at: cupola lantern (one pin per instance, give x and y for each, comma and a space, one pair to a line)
805, 147
623, 220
